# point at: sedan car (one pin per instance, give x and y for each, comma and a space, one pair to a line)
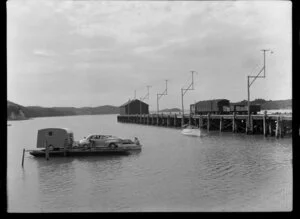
100, 141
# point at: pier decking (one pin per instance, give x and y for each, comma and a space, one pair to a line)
268, 125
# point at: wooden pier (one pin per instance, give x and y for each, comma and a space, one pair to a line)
269, 125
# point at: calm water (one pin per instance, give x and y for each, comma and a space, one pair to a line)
173, 172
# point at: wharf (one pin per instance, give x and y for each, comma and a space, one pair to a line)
278, 125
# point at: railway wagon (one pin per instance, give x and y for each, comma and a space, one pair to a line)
243, 109
216, 106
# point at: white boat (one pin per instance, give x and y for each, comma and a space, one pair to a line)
191, 130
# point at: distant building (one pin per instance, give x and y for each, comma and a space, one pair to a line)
134, 107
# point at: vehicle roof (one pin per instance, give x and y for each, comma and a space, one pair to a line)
66, 129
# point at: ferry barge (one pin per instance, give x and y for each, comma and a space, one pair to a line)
59, 142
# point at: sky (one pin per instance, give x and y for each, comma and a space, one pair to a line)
93, 53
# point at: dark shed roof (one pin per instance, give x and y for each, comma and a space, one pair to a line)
129, 101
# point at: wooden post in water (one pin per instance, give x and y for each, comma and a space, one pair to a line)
200, 121
264, 123
157, 119
175, 120
251, 124
46, 151
277, 127
280, 127
23, 157
221, 124
208, 121
233, 123
270, 127
168, 120
190, 120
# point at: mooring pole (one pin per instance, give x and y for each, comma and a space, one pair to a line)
248, 120
47, 151
23, 157
182, 108
264, 123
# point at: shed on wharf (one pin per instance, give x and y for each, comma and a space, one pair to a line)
135, 106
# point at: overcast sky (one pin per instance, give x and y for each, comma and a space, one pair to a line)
92, 53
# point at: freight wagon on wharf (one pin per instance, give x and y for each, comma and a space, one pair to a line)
221, 106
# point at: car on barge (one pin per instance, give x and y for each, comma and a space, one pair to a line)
60, 142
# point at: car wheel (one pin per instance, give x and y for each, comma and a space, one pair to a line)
112, 145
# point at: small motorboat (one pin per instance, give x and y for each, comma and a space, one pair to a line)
191, 130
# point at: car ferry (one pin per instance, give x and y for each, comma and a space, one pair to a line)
60, 142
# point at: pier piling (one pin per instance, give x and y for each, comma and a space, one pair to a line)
221, 124
208, 121
272, 125
264, 123
233, 123
23, 157
46, 151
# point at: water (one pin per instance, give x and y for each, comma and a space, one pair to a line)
173, 172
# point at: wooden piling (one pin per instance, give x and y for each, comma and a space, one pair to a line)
208, 121
200, 122
277, 127
23, 157
280, 127
233, 123
46, 151
264, 123
251, 124
221, 124
270, 127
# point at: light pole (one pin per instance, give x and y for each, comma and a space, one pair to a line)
162, 94
183, 91
144, 98
263, 69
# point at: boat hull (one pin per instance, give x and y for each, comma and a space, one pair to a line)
191, 132
87, 152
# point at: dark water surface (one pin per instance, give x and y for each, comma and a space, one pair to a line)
173, 172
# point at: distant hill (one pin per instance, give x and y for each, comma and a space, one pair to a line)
270, 104
171, 110
18, 112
